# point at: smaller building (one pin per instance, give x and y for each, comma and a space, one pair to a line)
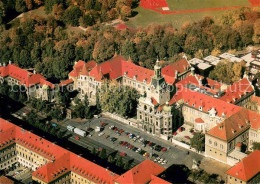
5, 180
246, 171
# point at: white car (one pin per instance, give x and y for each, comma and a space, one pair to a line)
138, 150
101, 133
112, 126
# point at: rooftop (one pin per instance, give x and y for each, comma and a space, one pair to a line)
247, 168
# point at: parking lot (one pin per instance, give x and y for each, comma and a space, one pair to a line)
131, 139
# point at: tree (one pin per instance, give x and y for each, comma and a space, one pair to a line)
103, 154
25, 59
256, 146
87, 20
20, 6
94, 151
122, 100
110, 159
119, 162
198, 141
127, 165
71, 16
2, 12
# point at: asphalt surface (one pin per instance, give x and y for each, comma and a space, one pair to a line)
173, 155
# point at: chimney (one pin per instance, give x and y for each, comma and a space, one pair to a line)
10, 62
0, 64
34, 72
4, 64
176, 74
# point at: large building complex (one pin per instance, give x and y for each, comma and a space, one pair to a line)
53, 164
215, 108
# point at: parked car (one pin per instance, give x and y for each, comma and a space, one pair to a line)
112, 127
90, 129
164, 149
113, 139
123, 154
103, 124
101, 133
77, 138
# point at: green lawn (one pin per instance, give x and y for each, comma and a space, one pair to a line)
179, 5
146, 17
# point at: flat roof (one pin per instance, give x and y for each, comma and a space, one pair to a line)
226, 55
215, 62
211, 58
248, 57
235, 59
204, 66
256, 63
195, 61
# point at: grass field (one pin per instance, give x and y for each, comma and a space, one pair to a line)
147, 16
179, 5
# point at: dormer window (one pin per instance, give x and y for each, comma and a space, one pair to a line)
200, 108
144, 80
125, 73
135, 77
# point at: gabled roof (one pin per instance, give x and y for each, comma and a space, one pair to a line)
234, 125
247, 168
79, 66
66, 82
5, 180
63, 160
237, 90
157, 180
141, 174
180, 66
26, 78
205, 102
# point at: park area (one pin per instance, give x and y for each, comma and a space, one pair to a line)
179, 11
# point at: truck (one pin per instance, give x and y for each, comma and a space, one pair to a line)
80, 132
70, 128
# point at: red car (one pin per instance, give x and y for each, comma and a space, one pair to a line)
131, 146
77, 138
147, 155
123, 154
103, 124
164, 149
121, 131
115, 129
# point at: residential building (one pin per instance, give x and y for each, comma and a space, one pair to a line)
35, 84
246, 171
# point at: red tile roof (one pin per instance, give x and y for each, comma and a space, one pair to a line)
64, 160
157, 180
180, 66
119, 66
26, 78
78, 67
237, 90
234, 125
247, 168
66, 82
199, 120
197, 100
141, 173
